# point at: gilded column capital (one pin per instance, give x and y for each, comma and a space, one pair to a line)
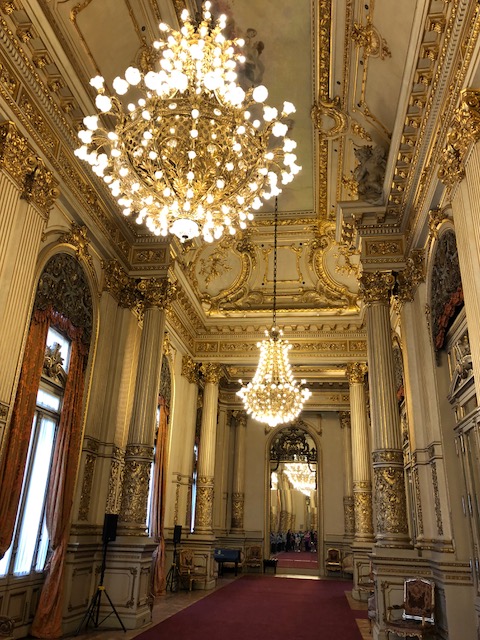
18, 159
413, 274
156, 292
356, 372
345, 420
119, 284
376, 286
211, 372
464, 131
241, 418
190, 369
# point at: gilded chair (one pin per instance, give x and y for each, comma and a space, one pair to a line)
333, 561
253, 557
417, 609
188, 571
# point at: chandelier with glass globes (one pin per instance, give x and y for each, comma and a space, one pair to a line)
192, 153
274, 396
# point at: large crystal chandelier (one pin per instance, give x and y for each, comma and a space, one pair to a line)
274, 396
193, 153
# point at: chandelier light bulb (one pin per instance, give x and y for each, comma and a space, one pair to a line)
198, 121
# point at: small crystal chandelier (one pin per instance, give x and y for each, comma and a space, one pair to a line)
273, 396
195, 153
301, 476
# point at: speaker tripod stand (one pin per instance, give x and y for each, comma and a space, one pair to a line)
173, 575
93, 612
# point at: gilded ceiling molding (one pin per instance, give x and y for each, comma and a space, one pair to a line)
409, 278
215, 264
356, 372
35, 122
327, 291
18, 159
376, 286
464, 132
329, 110
324, 13
372, 42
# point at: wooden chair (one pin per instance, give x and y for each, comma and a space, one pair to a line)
333, 561
417, 610
253, 557
188, 571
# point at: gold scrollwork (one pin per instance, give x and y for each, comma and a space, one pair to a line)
413, 274
363, 511
465, 130
377, 286
204, 507
391, 508
356, 372
190, 369
212, 372
136, 480
238, 504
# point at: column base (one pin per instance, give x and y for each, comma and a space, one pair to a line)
127, 581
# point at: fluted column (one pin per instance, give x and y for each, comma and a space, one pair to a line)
27, 193
238, 494
139, 451
348, 511
362, 475
206, 455
389, 484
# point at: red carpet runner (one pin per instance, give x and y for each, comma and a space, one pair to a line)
261, 607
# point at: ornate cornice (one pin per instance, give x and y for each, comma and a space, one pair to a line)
377, 286
356, 372
465, 130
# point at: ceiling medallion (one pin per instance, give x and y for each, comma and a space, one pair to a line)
195, 153
274, 396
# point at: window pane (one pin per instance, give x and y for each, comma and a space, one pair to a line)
53, 337
34, 504
42, 548
4, 562
48, 400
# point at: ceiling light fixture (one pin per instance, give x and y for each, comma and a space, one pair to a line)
301, 476
273, 396
195, 153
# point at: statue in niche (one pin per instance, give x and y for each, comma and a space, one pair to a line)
463, 357
52, 363
370, 173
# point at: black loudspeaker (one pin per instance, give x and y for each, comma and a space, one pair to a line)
110, 527
177, 534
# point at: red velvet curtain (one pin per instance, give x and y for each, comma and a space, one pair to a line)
48, 618
158, 501
18, 438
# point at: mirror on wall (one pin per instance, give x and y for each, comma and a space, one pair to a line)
293, 491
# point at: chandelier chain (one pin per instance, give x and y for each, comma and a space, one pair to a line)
275, 265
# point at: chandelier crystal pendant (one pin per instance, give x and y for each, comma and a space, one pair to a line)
274, 396
195, 153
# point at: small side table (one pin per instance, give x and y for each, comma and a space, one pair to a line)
270, 562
